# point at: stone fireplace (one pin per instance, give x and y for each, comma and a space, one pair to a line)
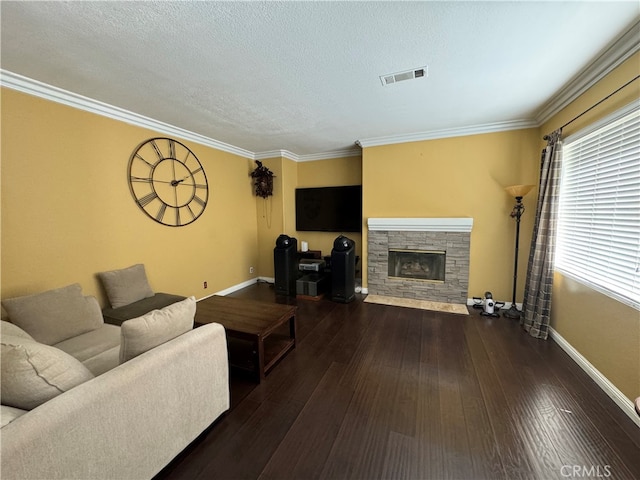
420, 258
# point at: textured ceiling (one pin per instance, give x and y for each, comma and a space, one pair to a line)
303, 76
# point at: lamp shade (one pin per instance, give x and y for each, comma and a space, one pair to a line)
519, 190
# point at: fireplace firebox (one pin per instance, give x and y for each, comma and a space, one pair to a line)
428, 265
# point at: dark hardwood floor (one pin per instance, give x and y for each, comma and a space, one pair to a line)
378, 392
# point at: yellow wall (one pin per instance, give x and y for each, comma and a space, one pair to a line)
67, 212
281, 207
329, 173
605, 331
290, 176
461, 177
270, 216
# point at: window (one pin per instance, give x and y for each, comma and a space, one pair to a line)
598, 239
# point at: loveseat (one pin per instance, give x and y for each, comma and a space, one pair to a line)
88, 400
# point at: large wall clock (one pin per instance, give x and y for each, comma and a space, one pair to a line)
168, 182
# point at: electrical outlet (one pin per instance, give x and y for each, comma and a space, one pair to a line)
204, 285
250, 269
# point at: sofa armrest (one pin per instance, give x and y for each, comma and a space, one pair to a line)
129, 422
116, 316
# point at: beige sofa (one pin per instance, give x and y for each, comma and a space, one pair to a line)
131, 399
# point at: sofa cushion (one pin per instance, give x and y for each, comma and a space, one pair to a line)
98, 350
126, 286
33, 373
9, 414
104, 361
155, 328
55, 315
8, 328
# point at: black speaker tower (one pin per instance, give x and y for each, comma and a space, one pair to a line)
285, 262
343, 270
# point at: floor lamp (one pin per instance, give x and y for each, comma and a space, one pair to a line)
517, 191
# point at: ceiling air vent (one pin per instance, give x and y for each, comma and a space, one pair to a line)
406, 75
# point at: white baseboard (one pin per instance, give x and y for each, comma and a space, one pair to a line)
365, 291
237, 287
603, 382
231, 289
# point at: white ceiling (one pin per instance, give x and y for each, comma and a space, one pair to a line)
304, 76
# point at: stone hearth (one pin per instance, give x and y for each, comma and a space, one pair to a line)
449, 235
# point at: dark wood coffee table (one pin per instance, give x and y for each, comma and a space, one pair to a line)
257, 333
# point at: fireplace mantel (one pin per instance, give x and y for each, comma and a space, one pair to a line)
462, 224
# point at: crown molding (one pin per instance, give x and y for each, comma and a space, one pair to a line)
58, 95
347, 152
614, 55
619, 51
39, 89
350, 152
447, 133
275, 154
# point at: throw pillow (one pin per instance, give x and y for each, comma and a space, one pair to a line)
55, 315
126, 286
33, 373
155, 328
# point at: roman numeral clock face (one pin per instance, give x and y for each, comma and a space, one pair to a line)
168, 182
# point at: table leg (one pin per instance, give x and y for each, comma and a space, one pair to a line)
292, 329
260, 348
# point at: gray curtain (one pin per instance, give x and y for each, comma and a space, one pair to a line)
536, 307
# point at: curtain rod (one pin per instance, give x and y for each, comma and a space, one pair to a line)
546, 137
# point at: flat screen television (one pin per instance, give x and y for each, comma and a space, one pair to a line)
329, 209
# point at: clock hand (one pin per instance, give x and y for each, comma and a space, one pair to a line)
176, 182
173, 183
150, 180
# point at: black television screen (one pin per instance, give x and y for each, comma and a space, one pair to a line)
329, 209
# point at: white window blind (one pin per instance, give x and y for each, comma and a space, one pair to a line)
598, 239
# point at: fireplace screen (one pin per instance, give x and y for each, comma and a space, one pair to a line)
417, 264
